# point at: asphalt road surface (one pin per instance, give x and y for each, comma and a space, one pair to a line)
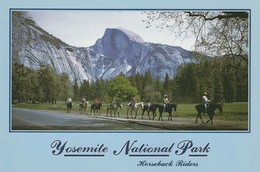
24, 119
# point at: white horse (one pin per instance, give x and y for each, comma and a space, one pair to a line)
134, 108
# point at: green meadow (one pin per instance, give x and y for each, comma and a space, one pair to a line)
234, 117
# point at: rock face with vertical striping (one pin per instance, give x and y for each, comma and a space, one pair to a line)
118, 51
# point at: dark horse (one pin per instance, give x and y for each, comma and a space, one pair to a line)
69, 106
116, 107
95, 107
210, 111
169, 108
152, 109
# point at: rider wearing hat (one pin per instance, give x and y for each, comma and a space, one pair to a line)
166, 102
205, 101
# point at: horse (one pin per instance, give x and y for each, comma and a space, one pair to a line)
83, 106
210, 111
95, 107
116, 107
69, 105
152, 109
134, 108
169, 108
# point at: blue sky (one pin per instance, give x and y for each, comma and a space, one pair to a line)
83, 27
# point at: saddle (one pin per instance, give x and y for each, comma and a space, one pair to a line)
166, 107
205, 110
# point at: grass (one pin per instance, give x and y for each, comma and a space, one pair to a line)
59, 106
231, 111
234, 117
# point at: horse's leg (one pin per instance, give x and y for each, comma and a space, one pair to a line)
199, 116
170, 116
132, 113
143, 113
160, 116
201, 119
154, 114
136, 113
148, 113
87, 112
211, 118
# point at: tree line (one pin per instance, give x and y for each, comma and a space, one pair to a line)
221, 80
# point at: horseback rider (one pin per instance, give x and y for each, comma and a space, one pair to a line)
205, 101
149, 102
83, 101
133, 101
114, 102
96, 100
69, 100
166, 102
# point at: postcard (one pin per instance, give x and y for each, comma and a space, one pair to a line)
129, 86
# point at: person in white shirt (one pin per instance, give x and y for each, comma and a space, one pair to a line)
205, 101
165, 102
69, 100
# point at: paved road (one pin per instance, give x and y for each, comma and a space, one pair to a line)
24, 119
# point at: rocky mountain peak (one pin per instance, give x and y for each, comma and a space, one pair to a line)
117, 51
116, 41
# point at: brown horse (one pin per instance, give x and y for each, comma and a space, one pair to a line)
83, 106
95, 107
